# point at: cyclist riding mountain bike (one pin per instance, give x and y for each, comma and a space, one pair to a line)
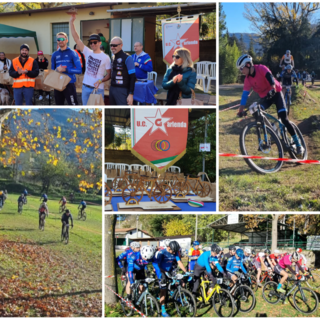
165, 263
287, 59
259, 262
66, 216
20, 199
287, 75
83, 205
193, 255
44, 197
43, 209
63, 201
205, 264
2, 198
260, 79
302, 261
234, 265
227, 256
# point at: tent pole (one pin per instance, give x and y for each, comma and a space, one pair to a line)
203, 154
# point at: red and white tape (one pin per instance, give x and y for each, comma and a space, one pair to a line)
268, 158
109, 276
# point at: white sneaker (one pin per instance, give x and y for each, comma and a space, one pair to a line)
40, 98
47, 97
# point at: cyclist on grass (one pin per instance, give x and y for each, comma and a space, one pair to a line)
287, 59
286, 77
260, 79
259, 262
165, 261
43, 209
193, 255
234, 265
63, 202
206, 263
227, 256
20, 199
83, 205
25, 192
2, 198
66, 216
44, 197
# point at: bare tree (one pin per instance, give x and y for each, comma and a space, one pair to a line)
110, 263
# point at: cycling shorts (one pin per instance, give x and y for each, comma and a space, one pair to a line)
286, 86
277, 99
230, 275
257, 264
278, 269
138, 274
163, 280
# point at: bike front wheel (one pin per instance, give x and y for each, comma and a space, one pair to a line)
125, 307
150, 306
269, 292
244, 299
314, 281
305, 300
223, 303
185, 304
252, 143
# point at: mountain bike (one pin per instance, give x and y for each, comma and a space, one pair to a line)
83, 215
20, 207
42, 221
287, 97
144, 301
313, 278
268, 137
305, 299
62, 208
65, 233
220, 298
25, 200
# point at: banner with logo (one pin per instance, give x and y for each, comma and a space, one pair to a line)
180, 34
159, 136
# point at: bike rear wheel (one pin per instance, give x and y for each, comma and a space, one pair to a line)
42, 222
185, 305
125, 308
244, 298
314, 281
305, 300
252, 144
223, 303
269, 292
290, 142
150, 306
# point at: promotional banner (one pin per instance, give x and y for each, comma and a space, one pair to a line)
159, 136
180, 34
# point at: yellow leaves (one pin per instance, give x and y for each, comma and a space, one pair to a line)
35, 139
58, 151
23, 173
77, 149
55, 162
14, 277
91, 166
57, 146
78, 175
48, 114
64, 139
38, 124
59, 133
30, 121
4, 153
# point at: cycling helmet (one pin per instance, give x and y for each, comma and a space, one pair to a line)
288, 51
241, 62
299, 250
240, 253
214, 246
253, 252
232, 248
147, 252
267, 251
67, 211
182, 253
174, 246
166, 242
216, 249
289, 67
135, 244
247, 250
261, 254
295, 256
196, 243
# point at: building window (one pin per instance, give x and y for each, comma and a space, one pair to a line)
129, 30
58, 27
130, 232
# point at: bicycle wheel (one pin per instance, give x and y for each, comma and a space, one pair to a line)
203, 189
66, 236
79, 215
185, 303
292, 148
244, 298
269, 292
222, 303
162, 193
253, 284
84, 216
314, 281
305, 300
252, 144
125, 308
132, 194
62, 234
119, 183
150, 306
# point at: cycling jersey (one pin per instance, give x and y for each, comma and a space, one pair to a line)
83, 203
123, 256
135, 263
20, 199
164, 259
193, 255
225, 259
66, 218
235, 264
25, 192
287, 59
43, 207
287, 77
205, 259
285, 261
44, 196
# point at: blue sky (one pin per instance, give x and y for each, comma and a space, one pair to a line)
235, 20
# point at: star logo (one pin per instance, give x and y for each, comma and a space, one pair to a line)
158, 122
178, 42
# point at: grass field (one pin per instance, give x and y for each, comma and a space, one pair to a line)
40, 275
295, 187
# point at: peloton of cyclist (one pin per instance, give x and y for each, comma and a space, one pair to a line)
193, 255
66, 216
63, 202
260, 79
43, 209
286, 77
287, 59
83, 205
234, 265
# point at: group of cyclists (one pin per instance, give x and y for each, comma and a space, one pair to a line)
134, 260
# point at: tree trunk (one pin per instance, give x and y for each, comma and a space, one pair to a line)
3, 114
110, 262
274, 233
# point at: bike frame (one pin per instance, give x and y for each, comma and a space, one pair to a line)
297, 284
215, 289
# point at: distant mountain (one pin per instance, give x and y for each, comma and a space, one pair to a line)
246, 39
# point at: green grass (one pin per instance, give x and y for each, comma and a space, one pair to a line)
48, 272
294, 187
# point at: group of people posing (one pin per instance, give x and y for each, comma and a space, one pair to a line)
134, 260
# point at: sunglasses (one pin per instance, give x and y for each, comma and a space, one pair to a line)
114, 45
61, 39
93, 42
175, 57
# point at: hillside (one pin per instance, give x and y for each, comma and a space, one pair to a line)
246, 39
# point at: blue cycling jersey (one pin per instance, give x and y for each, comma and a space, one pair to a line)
44, 196
25, 192
135, 262
123, 256
235, 264
205, 259
164, 260
83, 203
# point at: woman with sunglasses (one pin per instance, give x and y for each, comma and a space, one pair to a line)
180, 77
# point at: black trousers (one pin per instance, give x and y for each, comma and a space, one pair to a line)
69, 94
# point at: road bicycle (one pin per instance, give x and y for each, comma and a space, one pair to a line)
20, 207
268, 137
221, 299
83, 215
305, 300
42, 221
65, 233
144, 301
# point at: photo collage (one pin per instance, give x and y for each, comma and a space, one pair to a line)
199, 121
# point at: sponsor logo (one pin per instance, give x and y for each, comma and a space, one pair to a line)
119, 78
119, 73
57, 57
176, 124
158, 122
119, 82
139, 60
160, 145
119, 60
141, 124
190, 42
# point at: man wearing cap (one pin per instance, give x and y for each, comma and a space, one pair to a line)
43, 65
142, 61
98, 65
23, 70
123, 75
66, 61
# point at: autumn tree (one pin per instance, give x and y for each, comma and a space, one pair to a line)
177, 228
23, 6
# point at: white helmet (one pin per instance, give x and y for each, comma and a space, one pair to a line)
147, 252
241, 62
261, 254
247, 250
166, 242
135, 244
288, 52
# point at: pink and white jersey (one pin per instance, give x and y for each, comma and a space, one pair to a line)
285, 261
259, 82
